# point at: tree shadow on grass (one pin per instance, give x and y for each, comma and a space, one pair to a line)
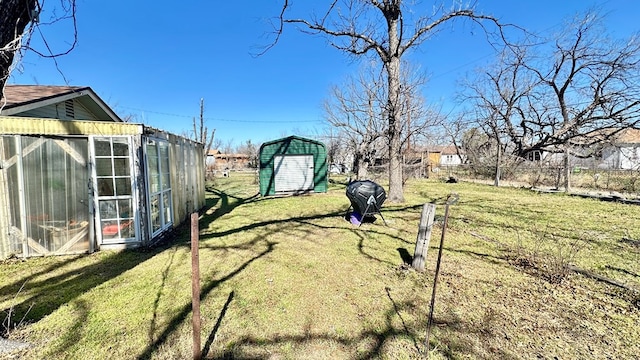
227, 204
48, 294
373, 343
156, 302
186, 309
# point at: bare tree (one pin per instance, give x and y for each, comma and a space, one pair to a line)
339, 152
502, 97
479, 148
453, 132
378, 27
251, 150
201, 132
18, 20
14, 18
576, 92
356, 111
227, 147
593, 82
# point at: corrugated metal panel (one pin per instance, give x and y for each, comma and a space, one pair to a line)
187, 175
38, 126
5, 220
293, 173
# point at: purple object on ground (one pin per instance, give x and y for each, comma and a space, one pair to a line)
355, 218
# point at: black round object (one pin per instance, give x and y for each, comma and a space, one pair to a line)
366, 196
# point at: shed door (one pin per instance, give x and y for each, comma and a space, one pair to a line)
114, 190
293, 173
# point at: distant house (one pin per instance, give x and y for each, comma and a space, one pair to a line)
438, 156
623, 151
606, 149
221, 161
450, 155
75, 178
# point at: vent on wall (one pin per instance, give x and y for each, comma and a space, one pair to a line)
69, 110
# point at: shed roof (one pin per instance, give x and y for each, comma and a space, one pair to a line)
289, 138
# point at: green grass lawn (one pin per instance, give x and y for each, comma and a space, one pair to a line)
289, 278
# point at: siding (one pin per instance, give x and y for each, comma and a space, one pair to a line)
58, 111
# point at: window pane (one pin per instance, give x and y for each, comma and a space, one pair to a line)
164, 150
127, 229
124, 206
103, 167
152, 151
154, 183
167, 207
120, 147
105, 187
123, 186
155, 212
166, 183
153, 164
108, 209
109, 229
121, 166
103, 147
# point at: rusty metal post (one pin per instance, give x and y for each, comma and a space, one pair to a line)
195, 287
451, 199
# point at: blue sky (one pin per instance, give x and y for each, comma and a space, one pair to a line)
156, 59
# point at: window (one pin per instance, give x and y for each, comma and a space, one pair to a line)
159, 185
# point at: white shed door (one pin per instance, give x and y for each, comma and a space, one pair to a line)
293, 173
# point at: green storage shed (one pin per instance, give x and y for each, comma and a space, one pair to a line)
293, 165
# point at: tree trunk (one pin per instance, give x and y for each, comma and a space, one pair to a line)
496, 181
14, 18
567, 170
392, 64
363, 170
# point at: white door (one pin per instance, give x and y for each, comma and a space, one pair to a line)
293, 173
114, 190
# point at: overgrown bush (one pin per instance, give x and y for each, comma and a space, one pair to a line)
553, 255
